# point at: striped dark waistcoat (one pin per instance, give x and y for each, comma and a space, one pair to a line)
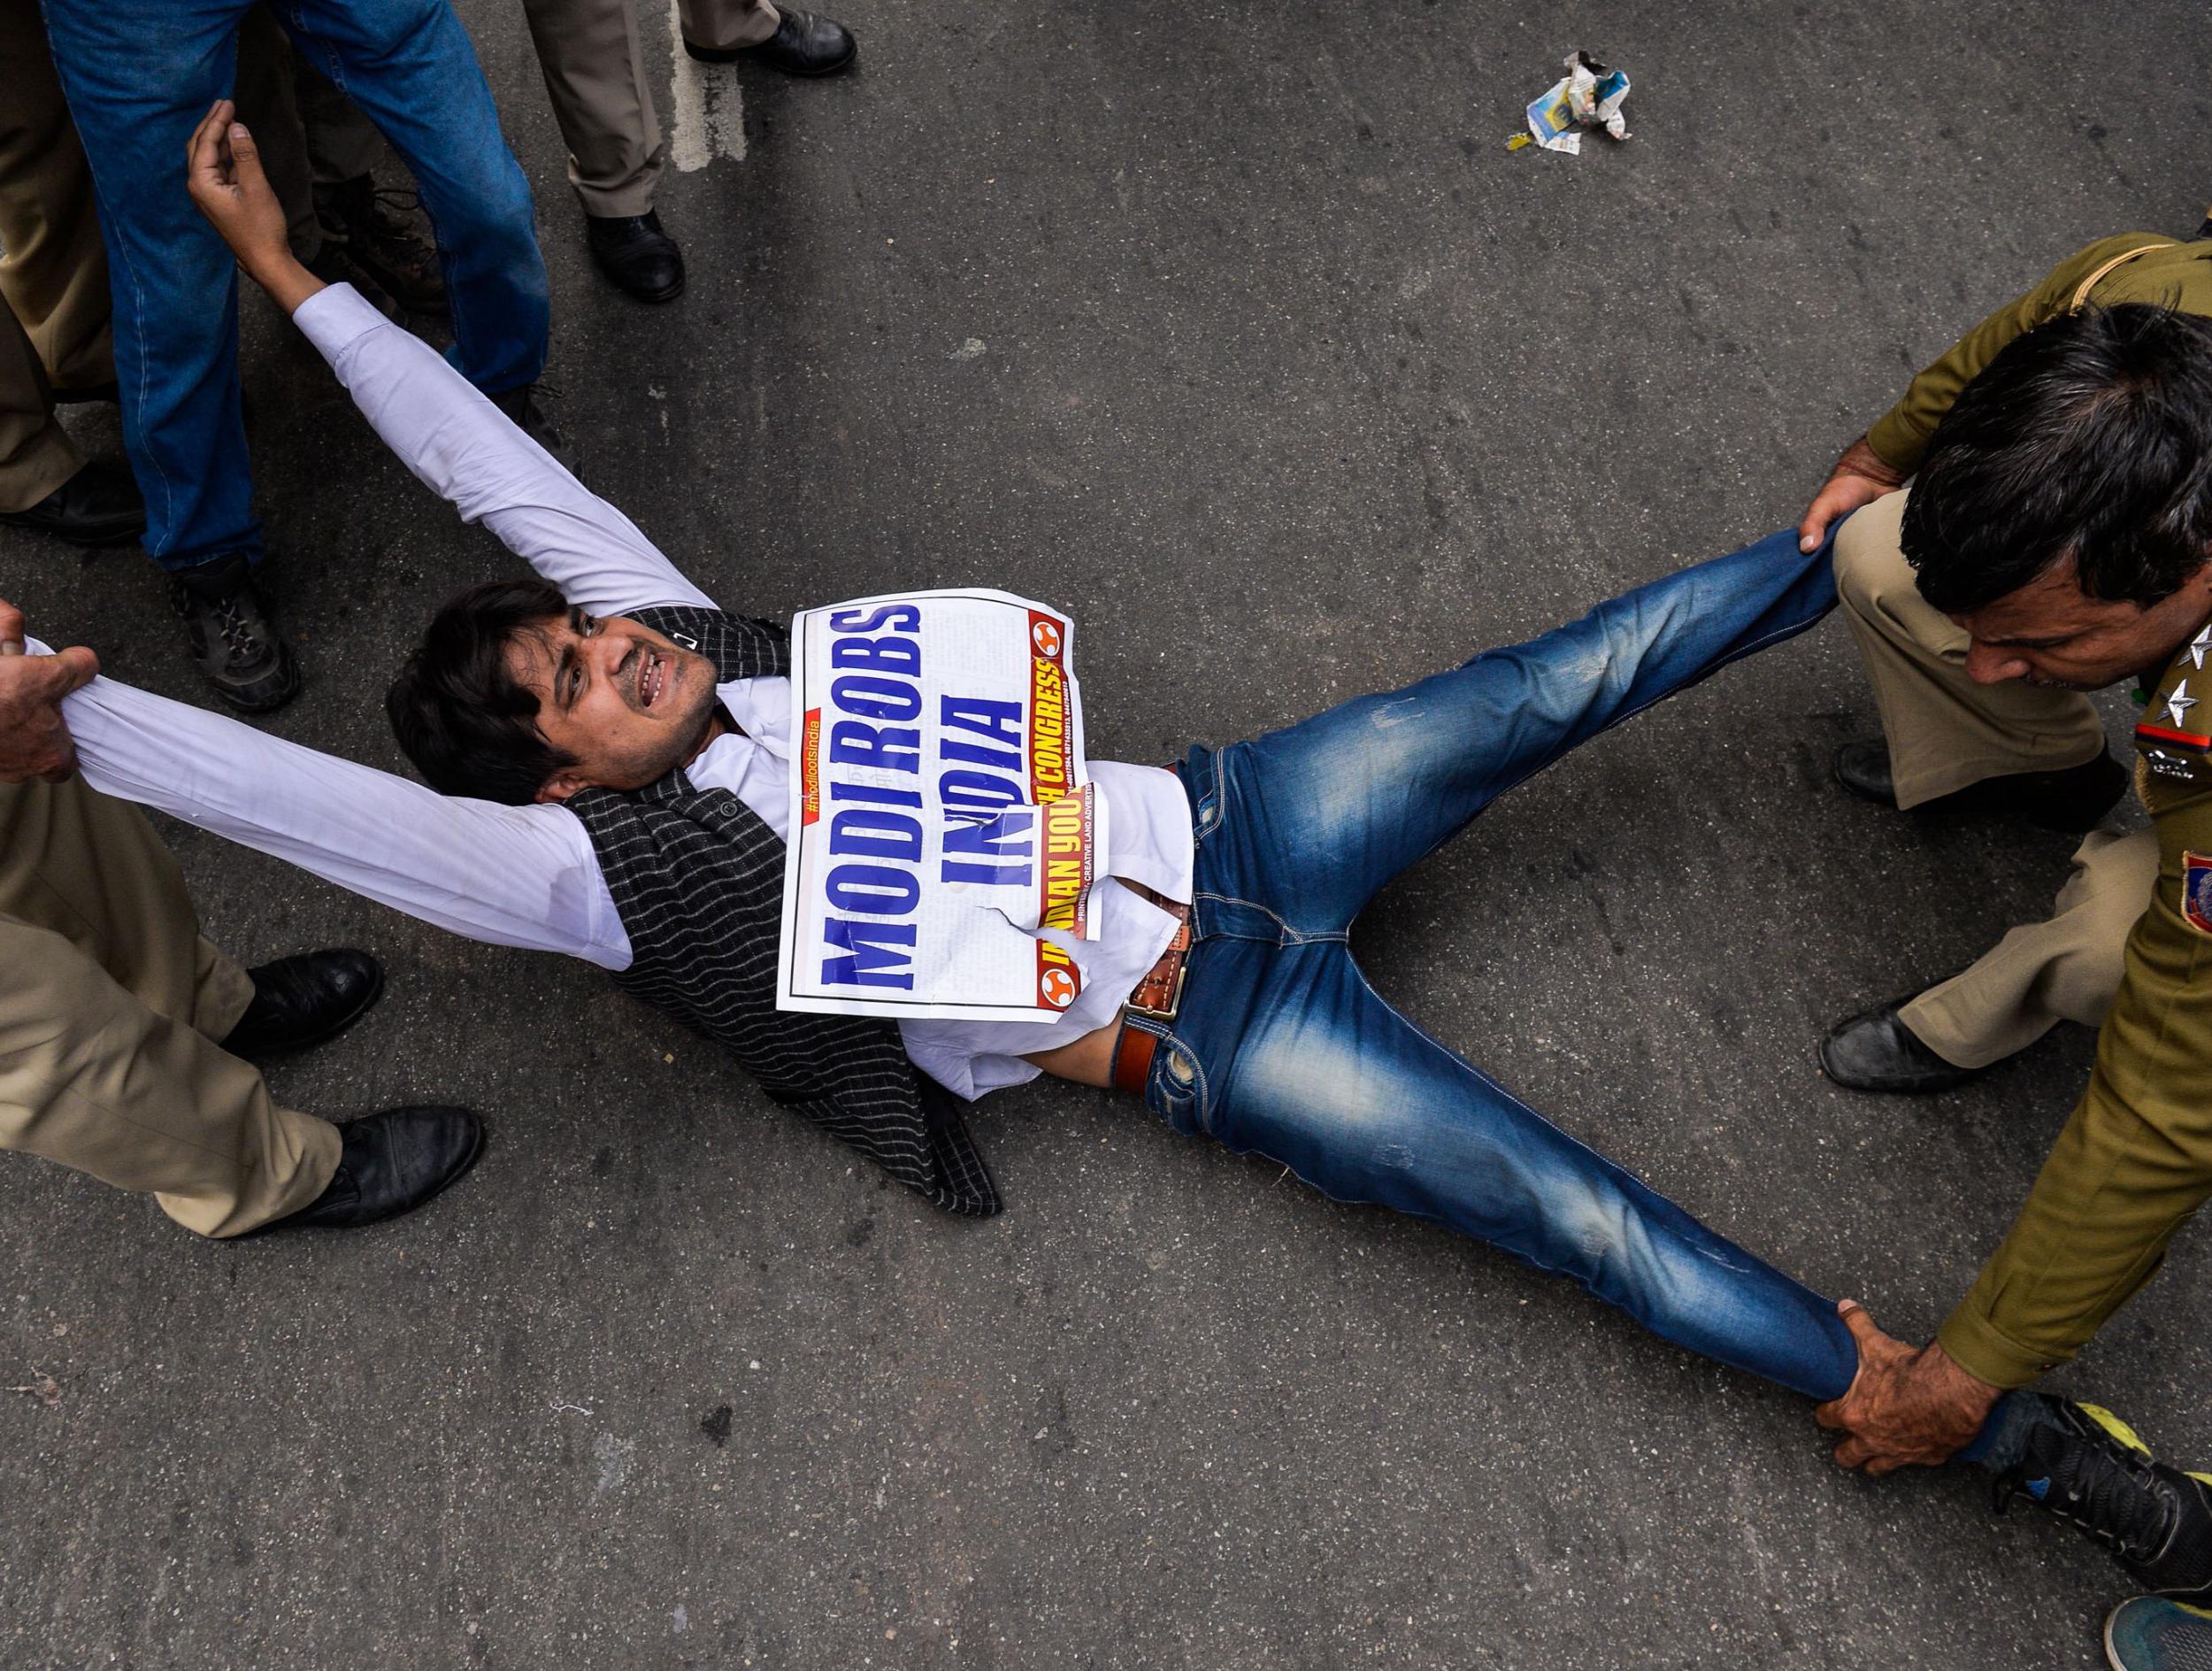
698, 879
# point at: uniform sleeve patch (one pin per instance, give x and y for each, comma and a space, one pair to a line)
2196, 890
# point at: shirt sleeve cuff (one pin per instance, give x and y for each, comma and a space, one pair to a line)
1980, 1348
336, 316
1897, 442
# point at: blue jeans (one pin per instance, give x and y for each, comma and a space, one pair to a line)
140, 74
1283, 1049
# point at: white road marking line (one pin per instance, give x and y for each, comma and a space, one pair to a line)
706, 122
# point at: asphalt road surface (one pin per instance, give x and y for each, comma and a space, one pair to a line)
1236, 330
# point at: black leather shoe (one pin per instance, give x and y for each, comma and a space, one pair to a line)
305, 1000
240, 653
804, 44
1876, 1051
99, 505
1863, 767
637, 255
2070, 801
391, 1163
521, 407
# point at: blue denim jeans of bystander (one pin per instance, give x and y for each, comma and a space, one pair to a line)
138, 75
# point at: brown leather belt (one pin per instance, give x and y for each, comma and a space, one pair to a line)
1157, 997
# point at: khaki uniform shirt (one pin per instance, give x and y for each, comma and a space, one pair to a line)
2135, 1161
2179, 275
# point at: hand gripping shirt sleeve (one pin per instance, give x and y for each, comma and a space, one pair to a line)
2134, 1161
512, 875
1900, 434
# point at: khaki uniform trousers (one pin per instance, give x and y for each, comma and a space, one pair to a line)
53, 269
595, 72
1944, 733
36, 455
110, 1001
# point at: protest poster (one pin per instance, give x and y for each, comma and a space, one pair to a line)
945, 837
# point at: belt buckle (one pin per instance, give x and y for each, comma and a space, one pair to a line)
1167, 1012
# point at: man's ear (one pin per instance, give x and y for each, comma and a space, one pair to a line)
561, 785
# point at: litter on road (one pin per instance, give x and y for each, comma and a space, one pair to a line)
1589, 96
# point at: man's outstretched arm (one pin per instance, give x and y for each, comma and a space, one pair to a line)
510, 875
454, 440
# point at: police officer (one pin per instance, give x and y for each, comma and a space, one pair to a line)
2055, 538
123, 1032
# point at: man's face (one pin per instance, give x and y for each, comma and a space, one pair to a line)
626, 703
2051, 633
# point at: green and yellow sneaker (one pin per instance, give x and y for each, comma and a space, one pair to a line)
2085, 1465
2153, 1634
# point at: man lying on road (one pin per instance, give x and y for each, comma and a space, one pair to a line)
626, 744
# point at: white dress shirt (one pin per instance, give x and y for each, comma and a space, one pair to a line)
527, 875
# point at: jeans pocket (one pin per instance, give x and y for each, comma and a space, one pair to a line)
1177, 1089
1201, 781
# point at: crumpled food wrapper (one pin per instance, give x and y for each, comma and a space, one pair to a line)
1590, 96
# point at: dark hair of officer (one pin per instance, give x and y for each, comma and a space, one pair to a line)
457, 712
2088, 437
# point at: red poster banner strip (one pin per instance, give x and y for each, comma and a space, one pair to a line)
810, 768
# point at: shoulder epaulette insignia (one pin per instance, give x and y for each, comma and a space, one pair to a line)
2175, 745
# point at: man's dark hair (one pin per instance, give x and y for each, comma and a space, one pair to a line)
2088, 437
458, 715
